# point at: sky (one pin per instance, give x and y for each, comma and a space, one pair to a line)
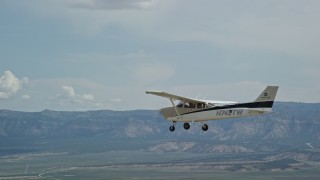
79, 55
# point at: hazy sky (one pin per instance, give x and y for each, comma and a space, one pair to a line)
104, 54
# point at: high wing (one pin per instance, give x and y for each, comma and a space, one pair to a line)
174, 97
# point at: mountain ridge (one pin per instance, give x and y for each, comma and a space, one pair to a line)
291, 125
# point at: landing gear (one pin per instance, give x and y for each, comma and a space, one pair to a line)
186, 126
172, 128
205, 127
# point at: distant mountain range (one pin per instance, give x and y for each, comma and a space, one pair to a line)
292, 125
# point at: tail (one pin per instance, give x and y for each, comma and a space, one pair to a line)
269, 94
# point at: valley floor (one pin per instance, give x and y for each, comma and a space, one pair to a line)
153, 165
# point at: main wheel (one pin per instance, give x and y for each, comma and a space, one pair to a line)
205, 127
172, 128
186, 126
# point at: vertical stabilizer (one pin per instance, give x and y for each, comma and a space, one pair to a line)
269, 94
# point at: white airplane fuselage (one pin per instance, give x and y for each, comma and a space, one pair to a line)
218, 114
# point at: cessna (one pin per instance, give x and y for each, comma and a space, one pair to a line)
189, 110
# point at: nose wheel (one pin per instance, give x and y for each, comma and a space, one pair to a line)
172, 128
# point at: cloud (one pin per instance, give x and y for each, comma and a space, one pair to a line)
116, 100
152, 72
112, 4
107, 57
91, 17
69, 94
275, 27
289, 27
10, 84
26, 97
70, 99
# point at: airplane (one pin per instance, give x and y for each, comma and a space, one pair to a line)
189, 110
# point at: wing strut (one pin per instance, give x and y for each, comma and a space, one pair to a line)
175, 108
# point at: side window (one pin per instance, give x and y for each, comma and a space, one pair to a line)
192, 105
200, 105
